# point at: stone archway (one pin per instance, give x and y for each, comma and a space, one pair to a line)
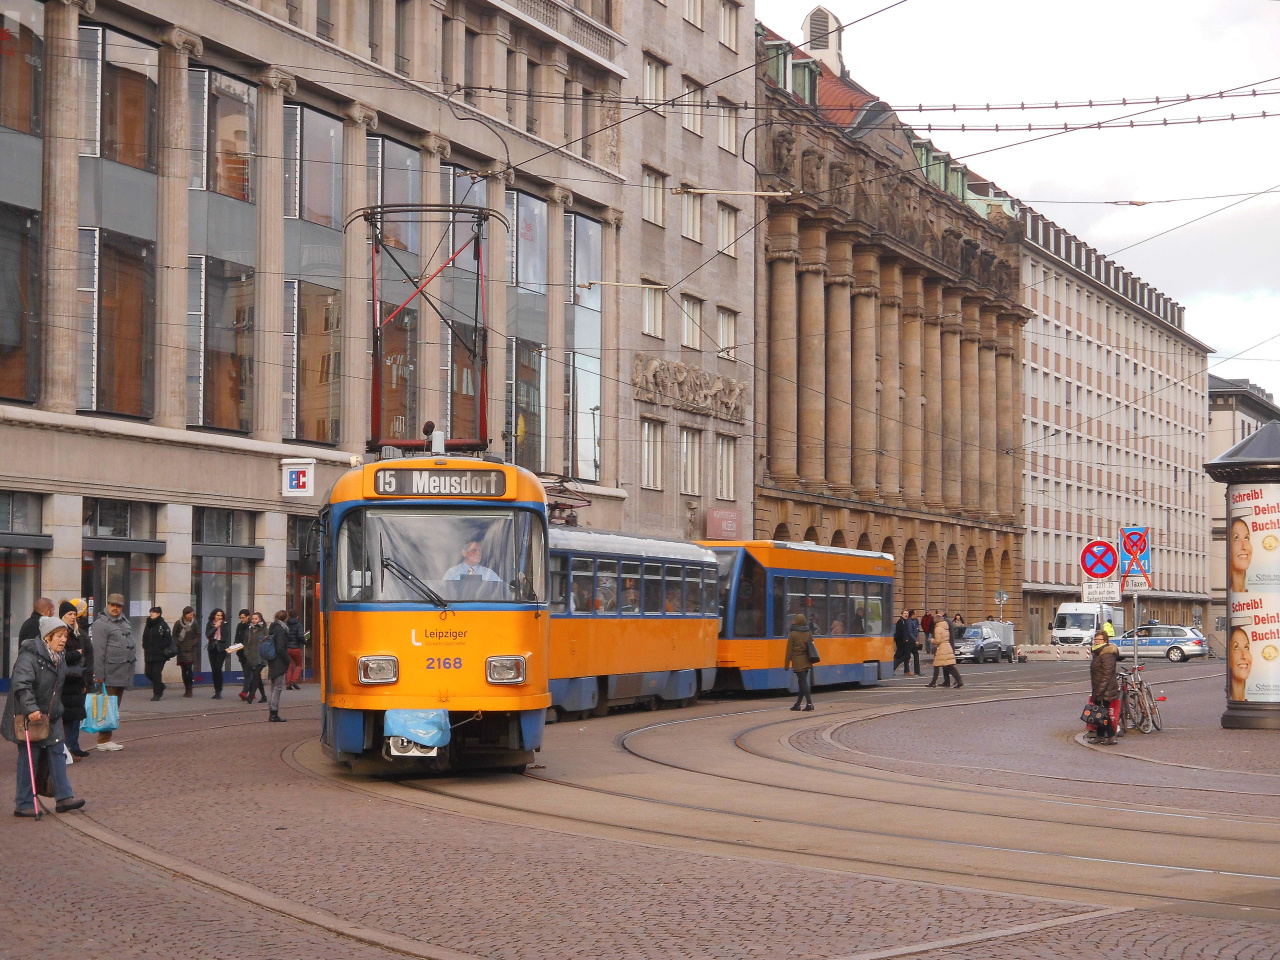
864, 543
935, 591
782, 532
912, 579
837, 539
955, 581
811, 535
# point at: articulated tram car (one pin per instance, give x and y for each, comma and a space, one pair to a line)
633, 621
434, 629
847, 595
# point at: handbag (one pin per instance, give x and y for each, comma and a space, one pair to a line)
267, 649
1096, 715
37, 730
102, 712
813, 653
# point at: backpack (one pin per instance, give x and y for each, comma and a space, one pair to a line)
267, 649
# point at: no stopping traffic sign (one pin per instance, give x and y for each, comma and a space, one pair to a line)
1099, 559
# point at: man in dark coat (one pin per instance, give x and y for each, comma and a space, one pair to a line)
79, 659
30, 629
297, 640
278, 665
901, 644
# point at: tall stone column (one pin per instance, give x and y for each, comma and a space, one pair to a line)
268, 288
988, 418
839, 418
60, 199
931, 375
558, 200
356, 316
498, 349
952, 400
173, 170
516, 69
784, 251
433, 379
912, 403
890, 465
811, 382
573, 116
550, 107
970, 434
1008, 419
866, 317
611, 364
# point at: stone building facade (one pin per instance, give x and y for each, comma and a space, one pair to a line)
187, 293
889, 404
1237, 408
1114, 429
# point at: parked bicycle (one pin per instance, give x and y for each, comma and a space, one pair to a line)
1138, 703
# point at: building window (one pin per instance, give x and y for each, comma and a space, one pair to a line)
691, 325
726, 464
584, 246
469, 41
399, 333
19, 301
728, 133
691, 107
22, 66
395, 177
727, 322
653, 188
729, 24
651, 454
727, 230
220, 335
690, 461
224, 131
127, 567
403, 15
527, 248
289, 363
313, 166
119, 97
116, 293
19, 571
693, 12
655, 81
653, 299
319, 368
691, 216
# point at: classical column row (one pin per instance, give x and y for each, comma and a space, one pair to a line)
885, 384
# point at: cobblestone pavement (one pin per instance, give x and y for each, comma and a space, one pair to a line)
206, 783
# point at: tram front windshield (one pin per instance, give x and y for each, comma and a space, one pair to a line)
458, 555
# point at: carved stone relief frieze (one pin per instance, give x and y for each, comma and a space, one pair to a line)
686, 387
784, 152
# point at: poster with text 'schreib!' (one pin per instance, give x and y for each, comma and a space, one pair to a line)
1253, 593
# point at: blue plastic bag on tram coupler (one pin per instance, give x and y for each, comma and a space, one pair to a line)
430, 728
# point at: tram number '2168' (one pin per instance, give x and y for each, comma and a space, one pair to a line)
444, 663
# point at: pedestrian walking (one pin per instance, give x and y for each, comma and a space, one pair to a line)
218, 635
926, 628
242, 633
254, 636
30, 629
186, 641
798, 660
116, 657
902, 644
78, 656
297, 640
1105, 681
157, 644
913, 642
277, 664
957, 628
944, 656
33, 718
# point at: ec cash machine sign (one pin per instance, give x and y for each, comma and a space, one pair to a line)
400, 482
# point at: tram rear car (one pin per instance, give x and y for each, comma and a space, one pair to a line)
434, 646
847, 595
633, 620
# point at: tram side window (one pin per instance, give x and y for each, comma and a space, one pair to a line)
818, 605
354, 579
839, 610
675, 584
710, 591
748, 615
693, 589
875, 610
559, 583
606, 586
653, 598
531, 549
630, 587
780, 618
857, 608
582, 598
797, 599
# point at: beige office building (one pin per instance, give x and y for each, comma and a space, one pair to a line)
1114, 428
187, 291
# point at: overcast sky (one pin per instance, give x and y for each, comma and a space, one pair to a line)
1224, 269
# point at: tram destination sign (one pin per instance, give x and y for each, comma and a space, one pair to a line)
403, 482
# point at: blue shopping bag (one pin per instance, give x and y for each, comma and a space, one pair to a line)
102, 712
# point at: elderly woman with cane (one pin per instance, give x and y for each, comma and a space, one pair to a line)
33, 719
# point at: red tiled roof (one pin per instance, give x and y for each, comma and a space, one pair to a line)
839, 101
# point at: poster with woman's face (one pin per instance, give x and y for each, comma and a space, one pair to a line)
1253, 592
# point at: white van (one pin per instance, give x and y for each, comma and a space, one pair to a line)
1076, 622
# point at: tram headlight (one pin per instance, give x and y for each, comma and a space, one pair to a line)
378, 669
505, 669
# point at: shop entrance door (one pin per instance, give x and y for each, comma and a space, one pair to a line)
103, 574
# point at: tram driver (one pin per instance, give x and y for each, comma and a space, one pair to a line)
471, 565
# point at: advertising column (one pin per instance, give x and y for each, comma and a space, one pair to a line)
1253, 593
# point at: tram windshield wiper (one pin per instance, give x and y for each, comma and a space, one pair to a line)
412, 579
